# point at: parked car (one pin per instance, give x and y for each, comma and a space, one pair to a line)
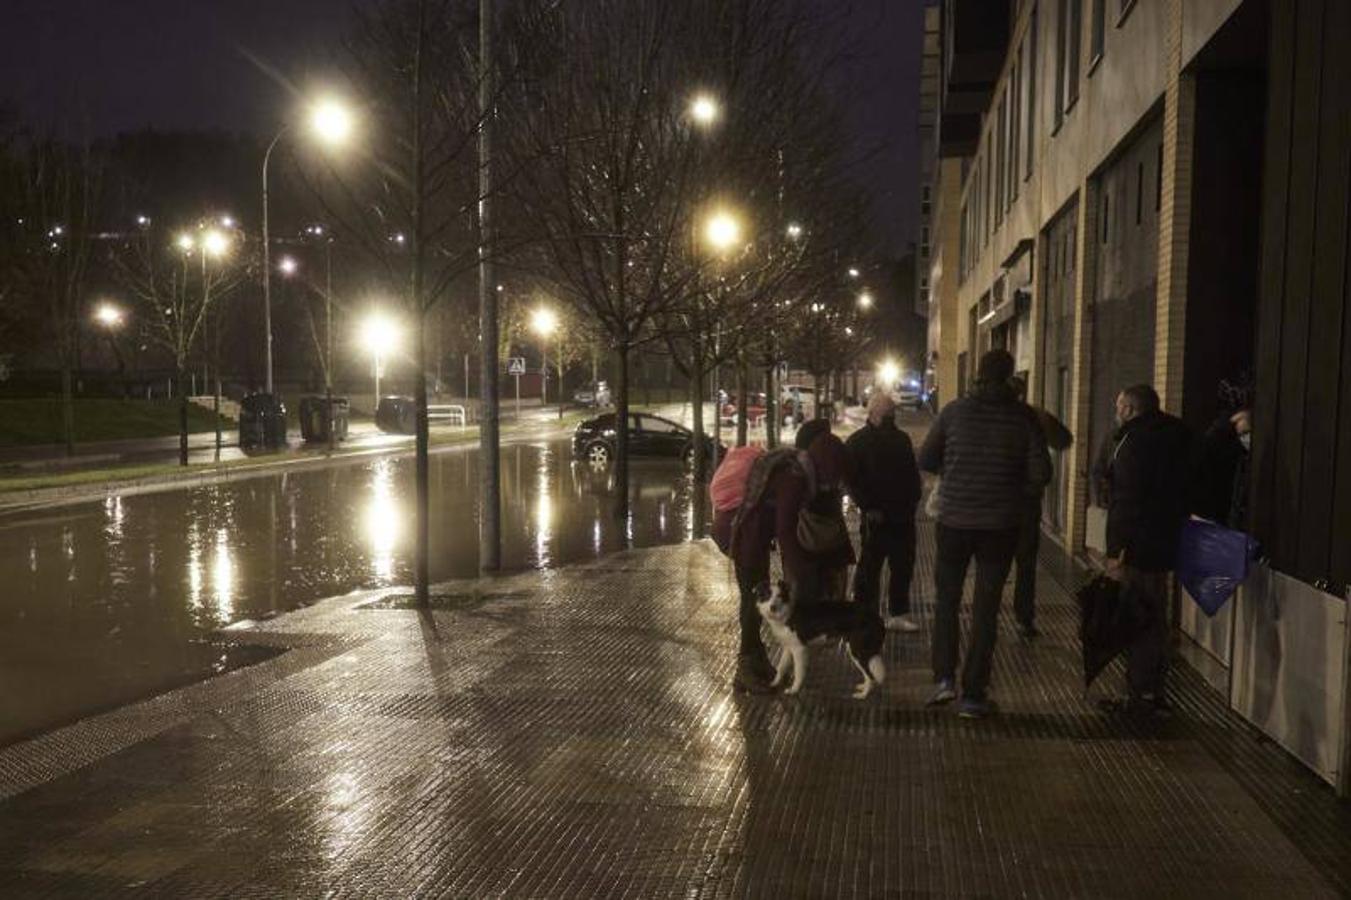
757, 406
649, 436
594, 394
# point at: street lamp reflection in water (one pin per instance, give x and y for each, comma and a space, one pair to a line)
544, 511
383, 521
223, 578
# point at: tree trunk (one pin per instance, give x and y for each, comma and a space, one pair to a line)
182, 417
772, 414
622, 432
698, 464
422, 557
67, 410
742, 400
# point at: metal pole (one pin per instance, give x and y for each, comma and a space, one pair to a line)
518, 398
328, 339
490, 463
267, 261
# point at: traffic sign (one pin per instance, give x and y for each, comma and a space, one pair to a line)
516, 365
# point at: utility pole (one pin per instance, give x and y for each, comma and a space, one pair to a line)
490, 476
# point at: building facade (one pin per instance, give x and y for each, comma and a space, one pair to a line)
1108, 177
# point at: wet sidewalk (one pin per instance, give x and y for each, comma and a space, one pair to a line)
571, 733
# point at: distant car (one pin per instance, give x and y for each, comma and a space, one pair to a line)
596, 394
757, 405
649, 436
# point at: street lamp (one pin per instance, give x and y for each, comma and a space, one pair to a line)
379, 334
722, 231
865, 300
853, 272
331, 123
794, 231
109, 316
544, 322
705, 110
287, 266
889, 373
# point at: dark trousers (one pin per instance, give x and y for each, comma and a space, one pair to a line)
993, 552
894, 544
1147, 656
747, 579
1025, 562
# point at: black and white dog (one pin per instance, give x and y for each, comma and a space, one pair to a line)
857, 627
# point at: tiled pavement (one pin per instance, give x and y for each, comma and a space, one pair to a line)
571, 733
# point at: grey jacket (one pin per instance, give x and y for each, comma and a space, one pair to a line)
991, 452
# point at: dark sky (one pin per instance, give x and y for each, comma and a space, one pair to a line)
115, 65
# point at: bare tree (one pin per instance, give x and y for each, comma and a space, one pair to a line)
59, 188
178, 279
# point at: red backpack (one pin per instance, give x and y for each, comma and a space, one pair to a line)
728, 487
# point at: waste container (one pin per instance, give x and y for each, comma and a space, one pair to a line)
314, 418
262, 421
396, 415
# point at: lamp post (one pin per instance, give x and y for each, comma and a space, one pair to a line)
379, 334
544, 322
331, 123
214, 243
110, 318
722, 233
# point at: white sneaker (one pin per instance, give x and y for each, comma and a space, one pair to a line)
904, 624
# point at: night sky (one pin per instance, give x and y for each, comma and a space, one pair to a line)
105, 66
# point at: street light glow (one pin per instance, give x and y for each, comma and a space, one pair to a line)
865, 300
215, 243
108, 316
544, 321
704, 109
227, 221
794, 230
287, 265
331, 121
379, 334
185, 242
889, 373
853, 272
723, 231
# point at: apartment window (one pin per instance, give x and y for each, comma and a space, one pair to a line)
1158, 182
1031, 91
1106, 213
925, 204
1139, 192
1098, 34
1061, 24
1015, 126
1076, 28
1000, 124
988, 183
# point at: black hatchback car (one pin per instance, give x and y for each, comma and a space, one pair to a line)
649, 436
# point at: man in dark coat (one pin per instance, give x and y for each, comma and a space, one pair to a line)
991, 454
1058, 438
1147, 476
886, 488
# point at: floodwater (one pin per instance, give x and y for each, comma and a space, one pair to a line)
113, 600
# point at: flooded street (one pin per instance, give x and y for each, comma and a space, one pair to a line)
113, 600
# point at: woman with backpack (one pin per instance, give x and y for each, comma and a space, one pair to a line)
792, 499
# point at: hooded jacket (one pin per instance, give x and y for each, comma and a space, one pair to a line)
886, 479
990, 450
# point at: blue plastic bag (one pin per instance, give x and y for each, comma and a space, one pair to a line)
1212, 561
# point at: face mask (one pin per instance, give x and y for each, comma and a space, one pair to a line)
1246, 440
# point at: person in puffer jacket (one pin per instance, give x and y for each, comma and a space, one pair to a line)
991, 453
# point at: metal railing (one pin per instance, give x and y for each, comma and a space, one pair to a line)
447, 414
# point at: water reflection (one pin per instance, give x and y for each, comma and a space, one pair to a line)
107, 601
383, 522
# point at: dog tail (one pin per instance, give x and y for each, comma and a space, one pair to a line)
877, 669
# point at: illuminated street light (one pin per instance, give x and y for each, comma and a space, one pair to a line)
143, 221
227, 222
331, 121
544, 322
794, 231
865, 300
704, 109
185, 242
853, 272
109, 316
722, 231
214, 243
379, 335
888, 373
288, 266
